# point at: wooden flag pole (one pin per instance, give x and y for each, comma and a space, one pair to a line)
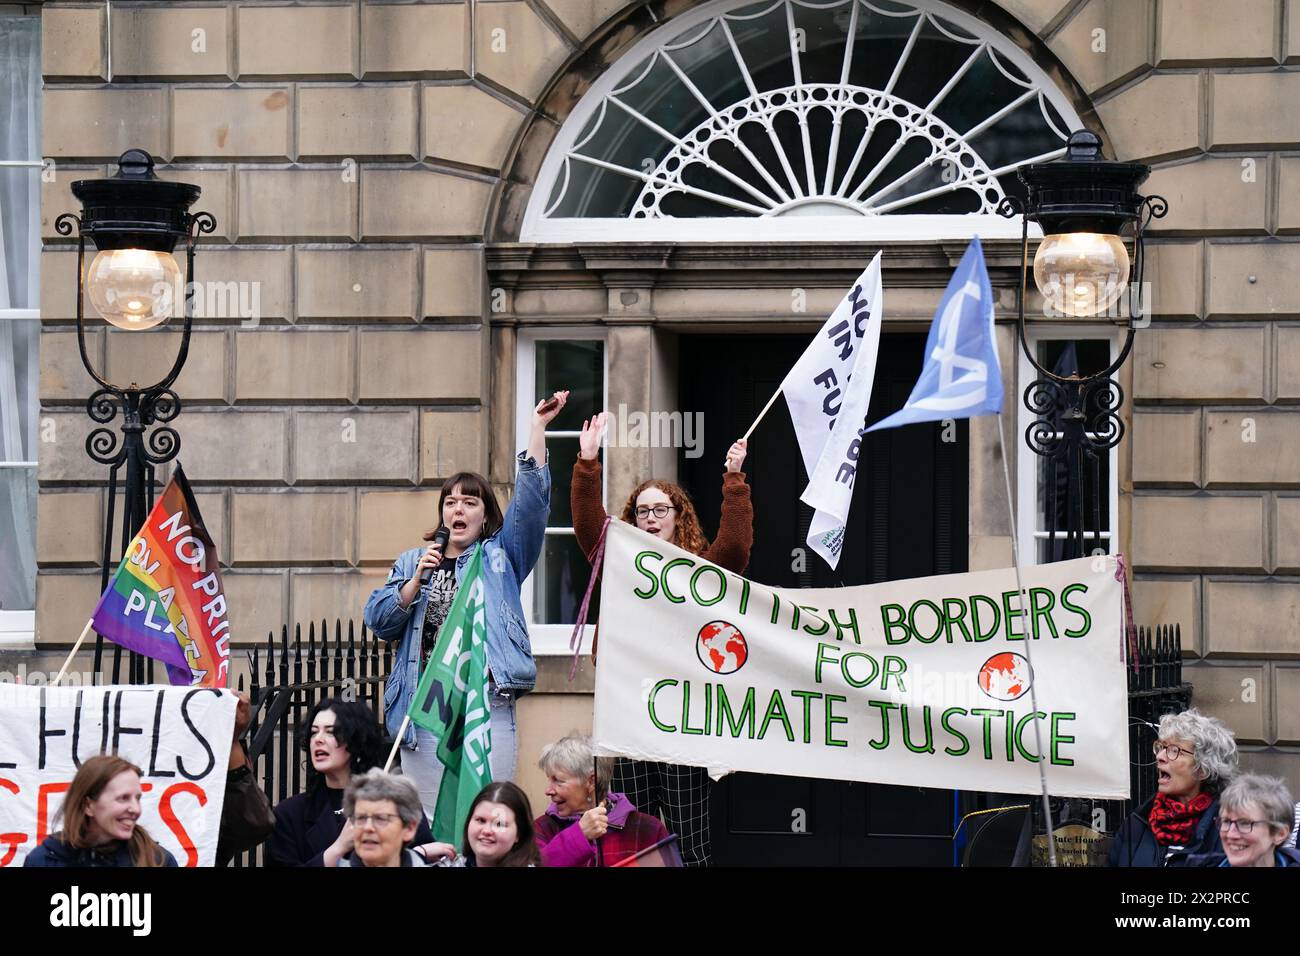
388, 764
726, 462
73, 653
769, 404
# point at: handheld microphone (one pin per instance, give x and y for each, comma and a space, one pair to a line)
440, 539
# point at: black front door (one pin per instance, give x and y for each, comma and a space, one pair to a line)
909, 519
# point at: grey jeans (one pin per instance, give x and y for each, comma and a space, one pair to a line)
425, 769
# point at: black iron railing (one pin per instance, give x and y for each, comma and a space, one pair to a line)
286, 682
288, 677
1155, 688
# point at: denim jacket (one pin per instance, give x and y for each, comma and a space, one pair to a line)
508, 558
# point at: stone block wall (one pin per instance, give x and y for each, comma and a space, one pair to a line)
1205, 92
354, 155
340, 365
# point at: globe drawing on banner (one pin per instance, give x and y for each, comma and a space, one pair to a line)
1006, 676
721, 647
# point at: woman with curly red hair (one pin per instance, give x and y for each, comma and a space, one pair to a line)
664, 509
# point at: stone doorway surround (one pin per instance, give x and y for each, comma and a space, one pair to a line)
651, 298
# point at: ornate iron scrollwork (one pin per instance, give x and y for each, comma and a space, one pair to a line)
1101, 400
1010, 207
162, 445
103, 446
202, 223
1047, 400
103, 405
160, 406
139, 411
63, 224
1084, 412
1077, 423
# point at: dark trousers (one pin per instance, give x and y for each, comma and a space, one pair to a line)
679, 794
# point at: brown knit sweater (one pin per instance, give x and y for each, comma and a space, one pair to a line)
729, 550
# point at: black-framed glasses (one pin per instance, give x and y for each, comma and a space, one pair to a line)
659, 511
1243, 826
1172, 750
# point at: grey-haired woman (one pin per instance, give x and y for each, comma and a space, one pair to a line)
1196, 757
385, 811
1255, 820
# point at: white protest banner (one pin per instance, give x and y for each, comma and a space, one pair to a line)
920, 683
178, 736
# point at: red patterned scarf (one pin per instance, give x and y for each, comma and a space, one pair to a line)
1173, 822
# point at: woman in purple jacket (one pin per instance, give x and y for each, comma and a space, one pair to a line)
582, 827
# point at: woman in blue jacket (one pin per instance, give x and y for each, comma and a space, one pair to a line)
411, 606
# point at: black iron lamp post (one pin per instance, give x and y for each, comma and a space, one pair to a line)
134, 220
1083, 204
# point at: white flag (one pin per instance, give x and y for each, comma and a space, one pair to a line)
828, 392
814, 388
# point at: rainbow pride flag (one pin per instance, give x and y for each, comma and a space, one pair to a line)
166, 600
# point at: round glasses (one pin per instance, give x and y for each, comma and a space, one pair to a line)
1172, 750
659, 511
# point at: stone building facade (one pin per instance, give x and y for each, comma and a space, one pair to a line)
371, 167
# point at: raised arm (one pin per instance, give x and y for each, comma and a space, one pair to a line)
543, 415
735, 538
585, 490
524, 529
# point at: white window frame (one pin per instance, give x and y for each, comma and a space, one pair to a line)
18, 628
550, 639
537, 227
1027, 462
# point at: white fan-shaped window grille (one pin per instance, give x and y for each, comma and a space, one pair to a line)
792, 119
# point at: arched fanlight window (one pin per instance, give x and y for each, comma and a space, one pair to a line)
789, 119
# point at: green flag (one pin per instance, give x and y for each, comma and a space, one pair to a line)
452, 703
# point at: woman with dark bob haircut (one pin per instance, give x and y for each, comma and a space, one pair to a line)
498, 830
342, 740
410, 608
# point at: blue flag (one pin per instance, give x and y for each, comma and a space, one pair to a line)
961, 377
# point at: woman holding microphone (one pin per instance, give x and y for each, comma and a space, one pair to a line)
411, 607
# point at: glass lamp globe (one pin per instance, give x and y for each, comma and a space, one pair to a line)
133, 288
1081, 273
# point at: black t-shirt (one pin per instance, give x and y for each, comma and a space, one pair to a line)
442, 591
